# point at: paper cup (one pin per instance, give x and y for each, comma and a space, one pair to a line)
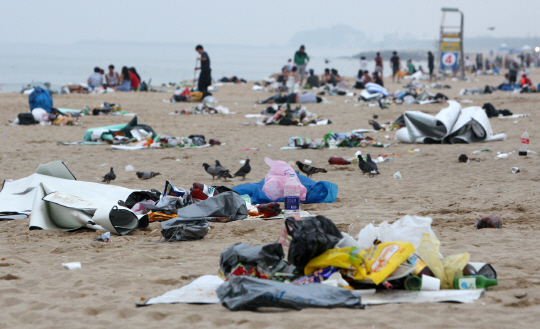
430, 283
72, 266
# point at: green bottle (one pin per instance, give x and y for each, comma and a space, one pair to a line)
473, 282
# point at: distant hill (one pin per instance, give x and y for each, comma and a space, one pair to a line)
337, 36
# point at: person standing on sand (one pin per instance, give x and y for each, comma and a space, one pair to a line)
301, 59
431, 65
396, 64
205, 78
379, 65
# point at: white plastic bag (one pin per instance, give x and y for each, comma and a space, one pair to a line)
407, 229
277, 176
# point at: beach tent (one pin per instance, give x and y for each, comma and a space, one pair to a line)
451, 125
57, 201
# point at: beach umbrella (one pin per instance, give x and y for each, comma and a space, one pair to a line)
503, 47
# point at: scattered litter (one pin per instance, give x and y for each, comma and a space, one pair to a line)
72, 266
515, 170
463, 158
492, 221
130, 168
105, 237
307, 161
502, 156
397, 175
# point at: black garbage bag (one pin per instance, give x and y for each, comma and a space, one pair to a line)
197, 139
246, 293
134, 124
228, 205
139, 196
310, 238
184, 229
440, 96
268, 256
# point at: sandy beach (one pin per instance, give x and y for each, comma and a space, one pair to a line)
36, 291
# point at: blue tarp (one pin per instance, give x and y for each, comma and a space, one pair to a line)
317, 192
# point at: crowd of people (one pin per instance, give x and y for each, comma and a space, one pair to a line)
127, 80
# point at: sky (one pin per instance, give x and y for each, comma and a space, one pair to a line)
249, 22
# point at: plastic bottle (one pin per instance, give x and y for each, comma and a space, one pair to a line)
291, 195
524, 145
338, 161
420, 267
473, 282
413, 283
269, 209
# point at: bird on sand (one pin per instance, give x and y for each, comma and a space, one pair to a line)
143, 175
368, 166
212, 170
244, 170
309, 170
109, 176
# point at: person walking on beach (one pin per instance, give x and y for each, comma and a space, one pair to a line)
396, 64
205, 78
379, 65
431, 65
301, 59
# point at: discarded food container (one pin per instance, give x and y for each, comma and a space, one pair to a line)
463, 158
397, 175
524, 144
515, 170
72, 266
338, 161
489, 222
473, 282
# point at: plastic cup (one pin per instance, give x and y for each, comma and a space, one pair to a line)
430, 283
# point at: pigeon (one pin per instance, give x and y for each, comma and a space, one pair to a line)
212, 170
143, 175
368, 167
225, 174
219, 166
309, 170
371, 166
244, 170
109, 176
375, 124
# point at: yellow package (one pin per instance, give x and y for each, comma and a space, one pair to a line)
453, 267
196, 95
374, 264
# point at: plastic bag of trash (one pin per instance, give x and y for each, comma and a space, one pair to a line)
227, 205
310, 238
184, 229
267, 256
453, 267
245, 293
277, 176
428, 250
407, 229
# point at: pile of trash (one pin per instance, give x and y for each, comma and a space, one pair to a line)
43, 113
204, 108
387, 263
334, 140
285, 116
104, 109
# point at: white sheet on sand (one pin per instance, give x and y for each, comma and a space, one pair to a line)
203, 291
451, 125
